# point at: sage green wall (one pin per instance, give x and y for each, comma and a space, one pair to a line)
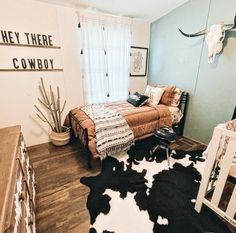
175, 59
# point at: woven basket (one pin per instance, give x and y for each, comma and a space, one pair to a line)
60, 139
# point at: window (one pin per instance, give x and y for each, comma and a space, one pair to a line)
106, 42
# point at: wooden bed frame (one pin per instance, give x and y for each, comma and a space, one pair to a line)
83, 132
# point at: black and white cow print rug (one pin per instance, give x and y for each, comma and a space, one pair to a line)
137, 193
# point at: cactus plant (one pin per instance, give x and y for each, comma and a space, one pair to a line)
51, 103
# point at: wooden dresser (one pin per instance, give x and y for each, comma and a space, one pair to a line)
17, 184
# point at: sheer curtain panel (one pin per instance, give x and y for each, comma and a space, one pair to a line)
105, 43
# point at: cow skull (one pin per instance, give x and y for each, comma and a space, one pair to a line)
215, 36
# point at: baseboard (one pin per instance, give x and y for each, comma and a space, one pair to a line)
195, 140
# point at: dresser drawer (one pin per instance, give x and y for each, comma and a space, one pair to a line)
29, 213
23, 151
27, 169
16, 224
24, 221
17, 189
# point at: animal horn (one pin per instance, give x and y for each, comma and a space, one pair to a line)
203, 32
227, 27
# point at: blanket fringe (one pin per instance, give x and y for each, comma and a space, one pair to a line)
112, 132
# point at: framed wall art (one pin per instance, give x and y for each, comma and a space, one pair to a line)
138, 61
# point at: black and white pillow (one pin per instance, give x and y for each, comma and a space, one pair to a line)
137, 99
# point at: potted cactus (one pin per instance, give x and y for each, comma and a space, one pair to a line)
60, 135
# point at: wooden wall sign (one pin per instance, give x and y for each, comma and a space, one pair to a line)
30, 40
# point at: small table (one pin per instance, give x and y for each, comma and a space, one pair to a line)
166, 136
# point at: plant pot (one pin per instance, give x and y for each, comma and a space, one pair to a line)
60, 139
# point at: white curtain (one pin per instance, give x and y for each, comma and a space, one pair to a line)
106, 42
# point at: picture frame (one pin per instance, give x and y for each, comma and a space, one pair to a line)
138, 61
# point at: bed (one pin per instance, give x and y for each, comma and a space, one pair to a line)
143, 121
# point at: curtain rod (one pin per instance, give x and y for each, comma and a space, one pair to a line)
95, 10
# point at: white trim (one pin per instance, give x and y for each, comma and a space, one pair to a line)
224, 171
207, 171
231, 209
219, 134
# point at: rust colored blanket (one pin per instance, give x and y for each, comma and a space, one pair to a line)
143, 121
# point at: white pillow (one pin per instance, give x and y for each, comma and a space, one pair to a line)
148, 90
155, 94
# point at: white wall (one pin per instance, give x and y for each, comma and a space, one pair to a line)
140, 38
19, 90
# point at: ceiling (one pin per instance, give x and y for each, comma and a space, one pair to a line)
148, 10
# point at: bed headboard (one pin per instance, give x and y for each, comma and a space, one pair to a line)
179, 128
234, 114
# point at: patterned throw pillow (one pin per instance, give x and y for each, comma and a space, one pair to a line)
177, 97
137, 99
155, 94
168, 95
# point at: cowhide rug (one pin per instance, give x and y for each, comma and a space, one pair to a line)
137, 193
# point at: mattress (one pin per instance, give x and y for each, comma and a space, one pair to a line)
143, 121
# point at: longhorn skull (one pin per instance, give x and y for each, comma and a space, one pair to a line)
215, 36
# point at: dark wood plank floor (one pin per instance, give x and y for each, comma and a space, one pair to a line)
61, 198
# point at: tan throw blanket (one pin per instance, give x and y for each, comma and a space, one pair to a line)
112, 133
